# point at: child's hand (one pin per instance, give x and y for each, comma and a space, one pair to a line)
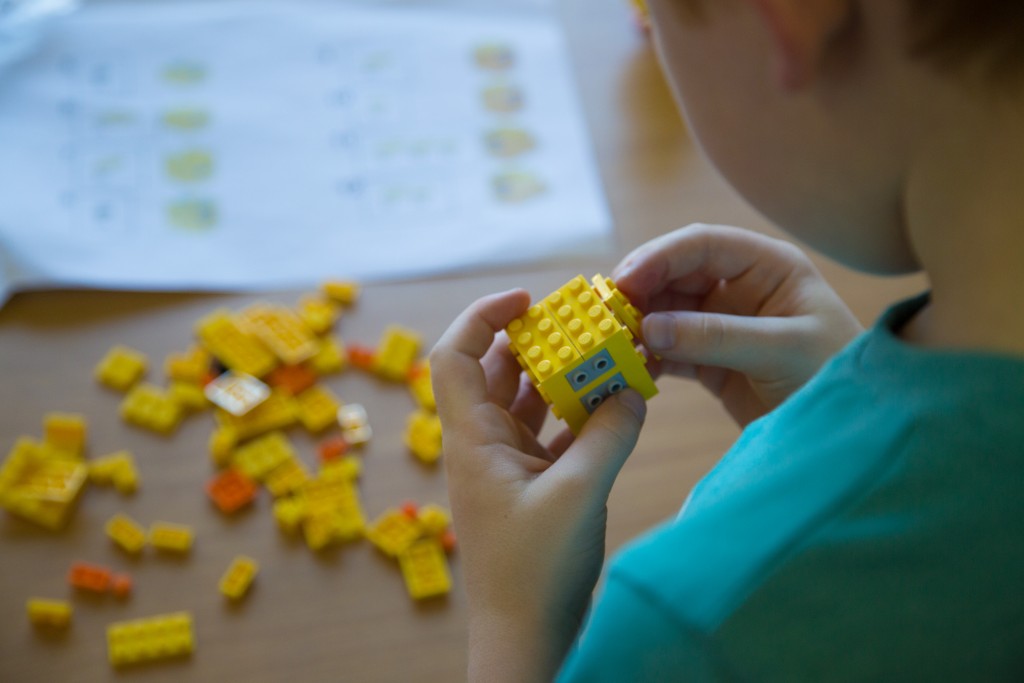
747, 315
530, 518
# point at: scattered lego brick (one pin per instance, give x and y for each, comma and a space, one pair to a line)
434, 519
190, 366
290, 513
89, 577
222, 445
425, 569
117, 469
318, 408
423, 436
221, 335
121, 368
330, 358
237, 393
355, 425
239, 576
332, 448
281, 330
396, 353
172, 538
421, 387
260, 456
121, 585
154, 638
341, 468
126, 533
277, 412
190, 396
344, 292
294, 379
318, 313
394, 531
49, 614
286, 478
38, 487
231, 490
147, 406
65, 433
361, 356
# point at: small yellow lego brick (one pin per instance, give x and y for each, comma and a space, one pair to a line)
421, 386
222, 336
423, 436
282, 331
118, 469
57, 481
396, 353
154, 638
318, 313
286, 478
394, 531
148, 407
351, 522
290, 513
65, 432
318, 408
321, 529
55, 614
425, 569
174, 538
121, 368
126, 533
277, 412
347, 468
239, 576
345, 292
326, 494
222, 445
330, 357
190, 366
260, 456
236, 392
434, 519
189, 395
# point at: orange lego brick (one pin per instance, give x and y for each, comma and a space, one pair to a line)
153, 638
318, 408
231, 490
448, 541
361, 356
292, 379
332, 448
121, 585
54, 614
65, 432
126, 533
121, 368
148, 407
89, 577
239, 576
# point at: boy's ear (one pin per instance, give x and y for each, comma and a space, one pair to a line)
802, 31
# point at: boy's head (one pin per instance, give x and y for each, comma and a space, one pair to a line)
820, 112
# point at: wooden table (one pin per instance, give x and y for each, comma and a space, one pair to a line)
343, 614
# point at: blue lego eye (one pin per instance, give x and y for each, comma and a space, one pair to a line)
580, 378
615, 387
594, 401
601, 364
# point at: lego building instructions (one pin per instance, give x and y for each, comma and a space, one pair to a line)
245, 146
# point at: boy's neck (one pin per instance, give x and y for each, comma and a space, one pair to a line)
964, 205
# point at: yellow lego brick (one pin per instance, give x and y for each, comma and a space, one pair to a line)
49, 613
259, 457
394, 531
421, 386
222, 444
286, 478
330, 357
126, 533
539, 344
318, 313
434, 519
148, 407
121, 368
351, 522
282, 331
154, 638
190, 366
239, 576
396, 353
343, 291
175, 538
318, 408
189, 395
117, 469
277, 412
225, 339
290, 513
25, 455
425, 569
65, 432
423, 435
321, 529
35, 476
46, 513
326, 494
348, 468
626, 313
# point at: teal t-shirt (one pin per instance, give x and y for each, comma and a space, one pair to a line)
871, 528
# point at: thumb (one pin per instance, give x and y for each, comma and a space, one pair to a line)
606, 440
747, 344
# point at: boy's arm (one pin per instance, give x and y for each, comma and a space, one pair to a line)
530, 517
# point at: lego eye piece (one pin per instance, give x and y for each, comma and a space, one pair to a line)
601, 364
594, 401
580, 378
615, 387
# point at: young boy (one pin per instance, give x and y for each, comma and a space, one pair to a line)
868, 524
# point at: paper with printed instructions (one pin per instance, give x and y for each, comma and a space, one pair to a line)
252, 146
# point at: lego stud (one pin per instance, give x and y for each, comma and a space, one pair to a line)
545, 325
565, 311
555, 298
564, 353
606, 326
534, 353
595, 312
575, 284
535, 311
544, 367
586, 340
585, 298
515, 325
555, 338
524, 339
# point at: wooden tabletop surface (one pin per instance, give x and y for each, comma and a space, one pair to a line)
343, 614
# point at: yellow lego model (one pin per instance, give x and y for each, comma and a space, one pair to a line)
278, 411
318, 408
147, 406
126, 533
239, 576
54, 614
121, 368
150, 639
65, 434
259, 457
117, 469
222, 336
396, 354
173, 538
577, 347
281, 330
394, 531
423, 436
425, 569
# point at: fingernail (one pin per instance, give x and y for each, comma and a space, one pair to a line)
659, 332
635, 402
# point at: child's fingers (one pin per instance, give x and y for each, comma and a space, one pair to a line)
502, 372
458, 377
528, 406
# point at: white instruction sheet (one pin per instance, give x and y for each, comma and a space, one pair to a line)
200, 145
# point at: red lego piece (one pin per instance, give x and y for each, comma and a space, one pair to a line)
361, 356
332, 448
89, 577
293, 379
121, 585
448, 541
410, 509
231, 490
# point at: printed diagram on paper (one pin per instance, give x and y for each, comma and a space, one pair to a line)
214, 145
